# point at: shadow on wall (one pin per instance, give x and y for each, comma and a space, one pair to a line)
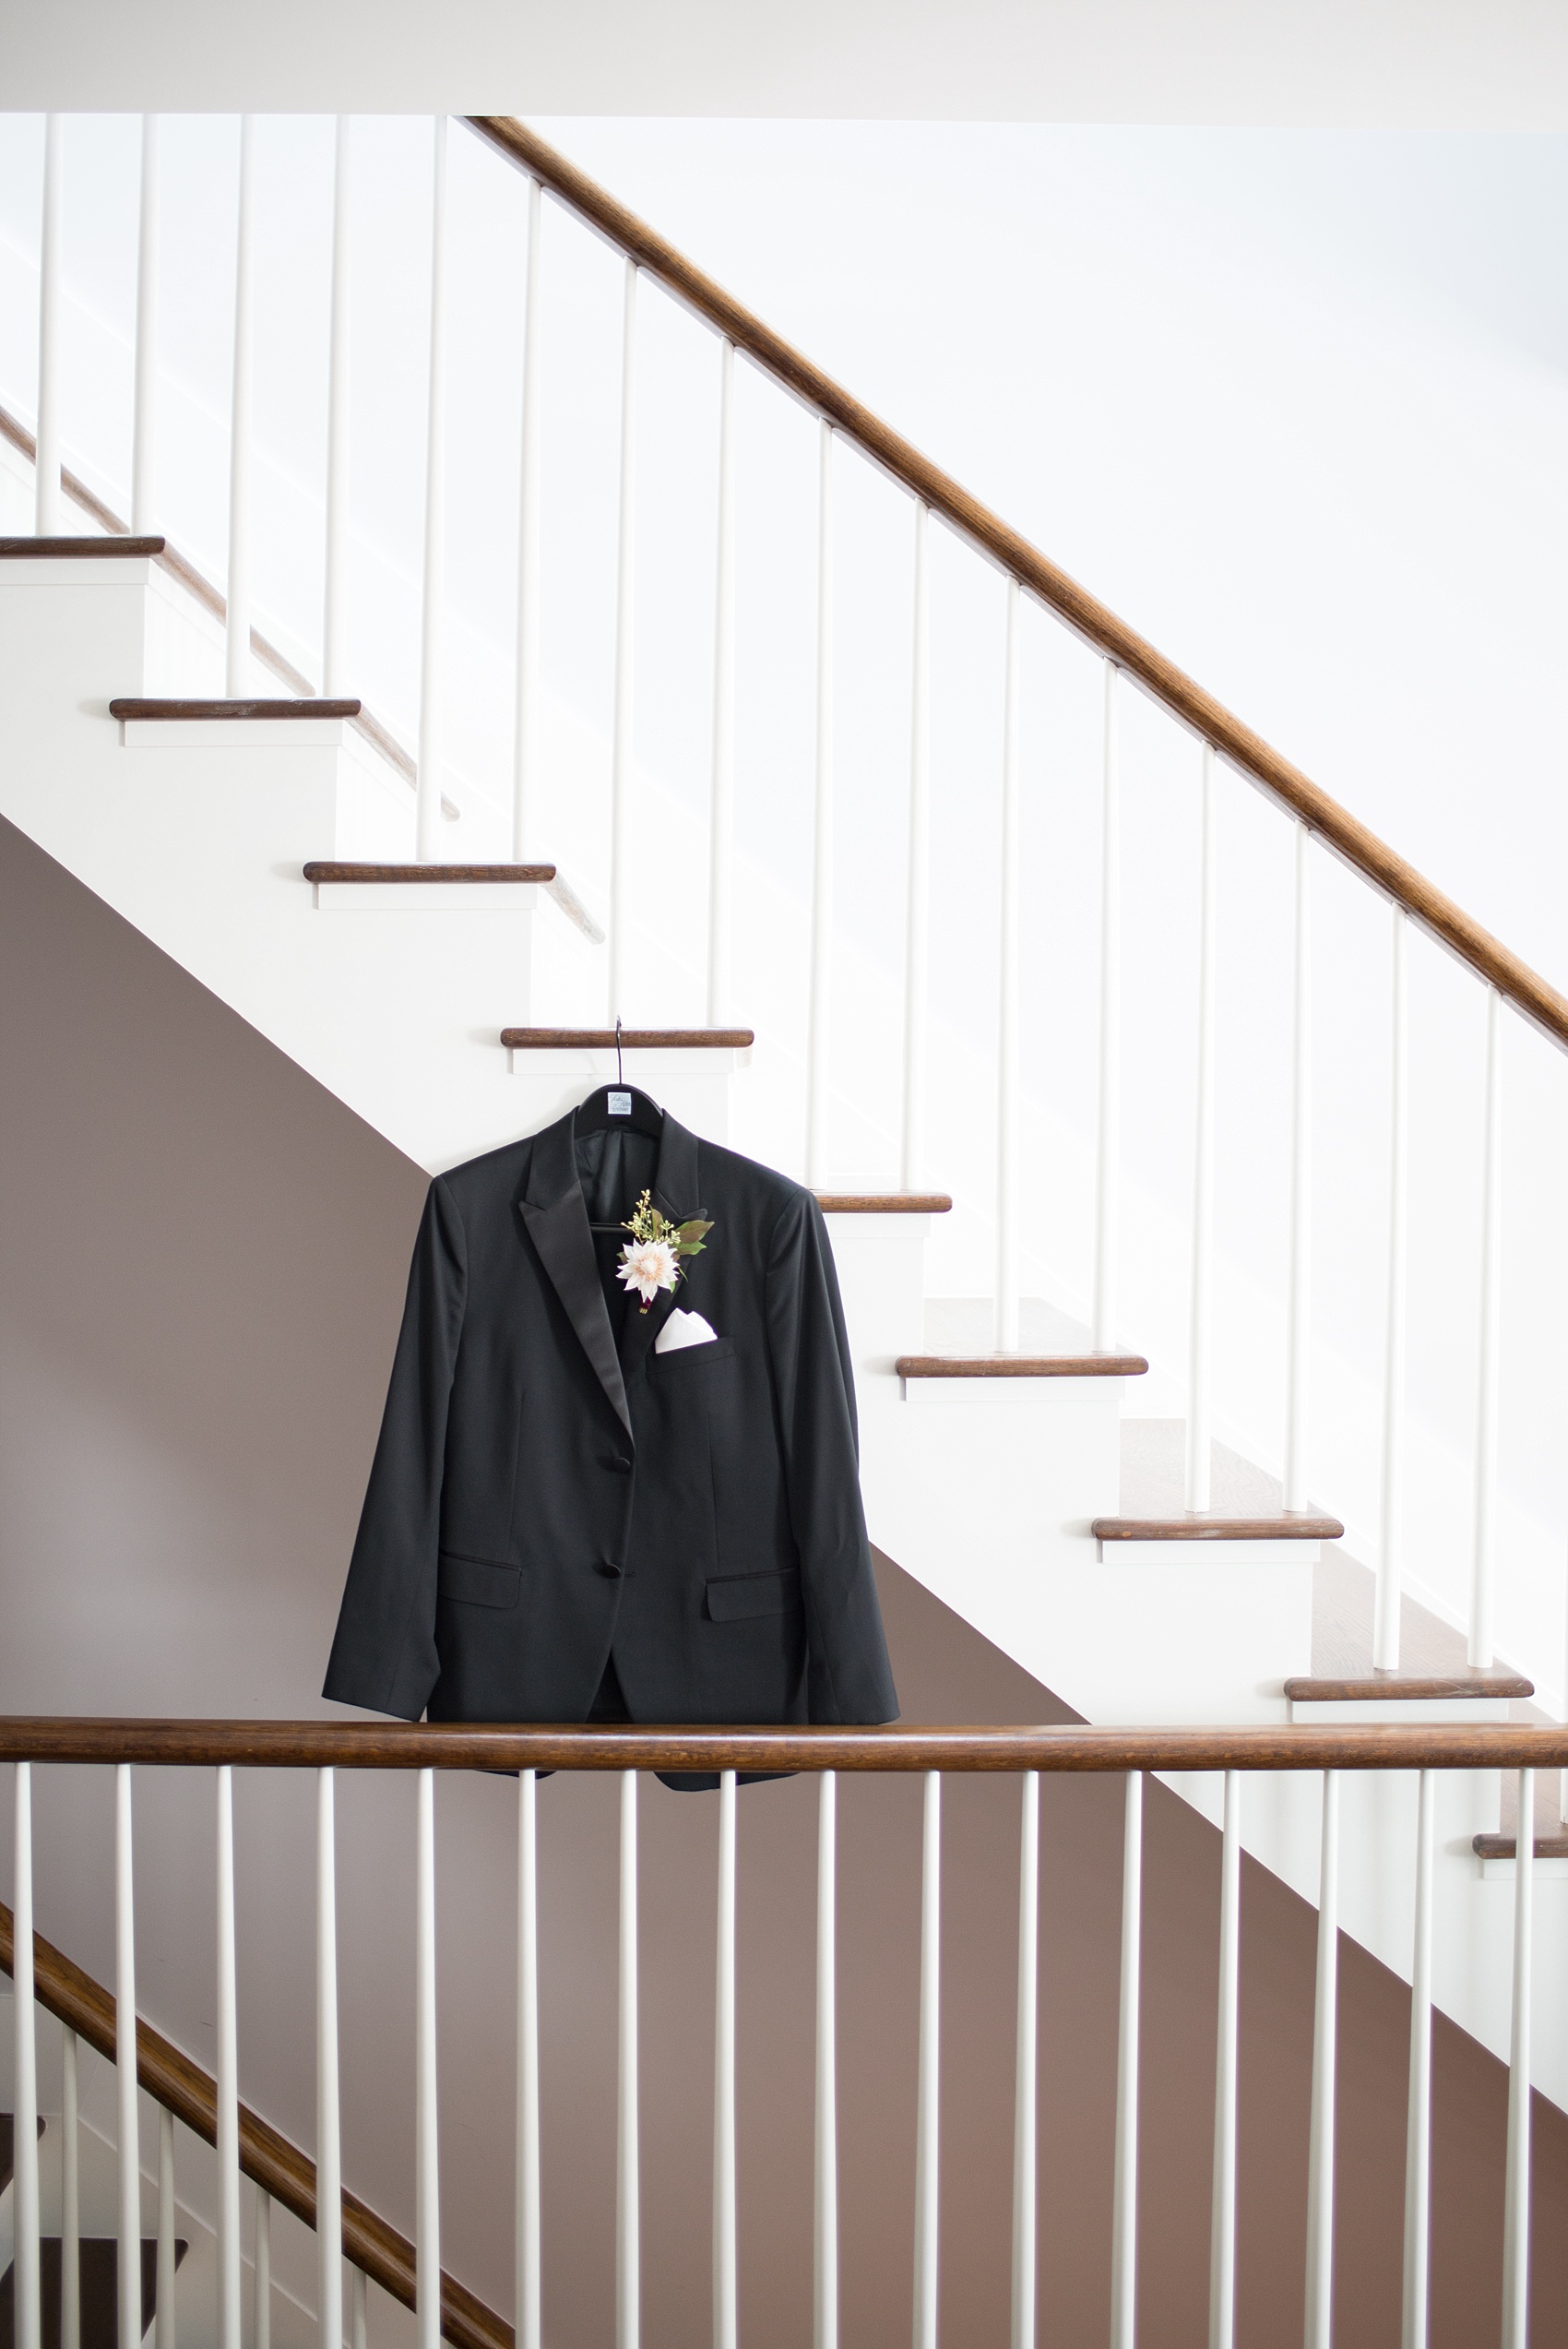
202, 1258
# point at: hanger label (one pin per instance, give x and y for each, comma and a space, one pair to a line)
618, 1105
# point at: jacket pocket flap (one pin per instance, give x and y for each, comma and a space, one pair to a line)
733, 1596
479, 1581
676, 1362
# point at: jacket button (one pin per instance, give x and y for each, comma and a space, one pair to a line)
611, 1572
614, 1461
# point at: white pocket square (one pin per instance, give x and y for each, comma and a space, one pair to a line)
682, 1330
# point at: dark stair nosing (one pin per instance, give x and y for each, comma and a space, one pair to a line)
371, 875
1217, 1529
884, 1202
1506, 1847
1020, 1365
1402, 1687
129, 709
76, 550
632, 1039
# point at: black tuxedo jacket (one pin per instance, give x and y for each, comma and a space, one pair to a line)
550, 1496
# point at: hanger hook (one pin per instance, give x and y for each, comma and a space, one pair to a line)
619, 1079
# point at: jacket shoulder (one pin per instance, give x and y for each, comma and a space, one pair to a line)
726, 1174
497, 1174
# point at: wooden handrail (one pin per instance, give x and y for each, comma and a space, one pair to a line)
1084, 612
276, 2166
458, 1745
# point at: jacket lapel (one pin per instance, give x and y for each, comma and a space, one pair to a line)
553, 1209
675, 1196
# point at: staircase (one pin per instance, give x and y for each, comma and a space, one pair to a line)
1109, 1418
96, 2325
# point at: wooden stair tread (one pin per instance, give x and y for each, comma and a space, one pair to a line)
328, 871
76, 550
1020, 1365
1506, 1847
884, 1202
632, 1039
1412, 1687
291, 706
1217, 1529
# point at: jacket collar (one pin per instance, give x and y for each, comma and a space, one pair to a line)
556, 1214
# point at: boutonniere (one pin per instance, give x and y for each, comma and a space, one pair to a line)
654, 1258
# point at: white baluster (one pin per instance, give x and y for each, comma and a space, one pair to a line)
1108, 1169
625, 616
329, 2107
628, 2237
227, 2084
1516, 2187
165, 2331
917, 913
821, 980
129, 2132
334, 613
1325, 2040
1298, 1366
825, 2298
1005, 1332
261, 2324
1222, 2227
721, 802
1390, 1565
1418, 2122
51, 298
525, 736
24, 2126
1201, 1311
1484, 1568
528, 2229
237, 624
433, 590
70, 2199
725, 2280
358, 2327
1024, 2089
928, 2139
144, 436
427, 2178
1124, 2205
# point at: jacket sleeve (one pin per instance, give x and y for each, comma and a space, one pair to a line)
384, 1653
849, 1677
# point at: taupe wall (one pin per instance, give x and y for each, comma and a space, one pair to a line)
201, 1266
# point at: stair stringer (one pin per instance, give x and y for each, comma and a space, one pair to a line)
984, 1491
993, 1518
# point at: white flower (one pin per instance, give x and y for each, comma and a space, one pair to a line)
648, 1265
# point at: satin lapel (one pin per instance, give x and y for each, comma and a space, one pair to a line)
675, 1196
558, 1225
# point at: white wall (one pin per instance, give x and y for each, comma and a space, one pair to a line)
1291, 403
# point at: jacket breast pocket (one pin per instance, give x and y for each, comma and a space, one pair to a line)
732, 1598
478, 1582
683, 1362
